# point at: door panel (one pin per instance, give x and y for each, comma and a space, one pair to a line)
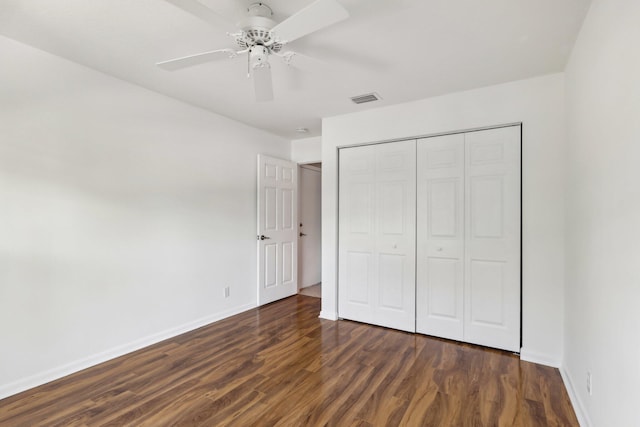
277, 222
440, 242
392, 206
288, 210
487, 284
356, 246
270, 201
270, 265
377, 234
443, 205
359, 206
443, 296
358, 268
390, 275
492, 253
487, 201
287, 262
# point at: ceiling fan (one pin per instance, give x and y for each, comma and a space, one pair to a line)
259, 37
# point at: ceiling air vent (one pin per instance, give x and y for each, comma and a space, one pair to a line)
369, 97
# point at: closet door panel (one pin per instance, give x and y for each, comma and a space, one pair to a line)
396, 206
356, 252
358, 275
440, 241
492, 253
383, 233
391, 272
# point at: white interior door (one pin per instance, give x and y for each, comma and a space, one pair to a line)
309, 266
492, 243
440, 237
277, 229
376, 254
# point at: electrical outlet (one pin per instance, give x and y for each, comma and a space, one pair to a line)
226, 292
589, 384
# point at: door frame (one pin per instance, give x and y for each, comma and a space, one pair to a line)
309, 166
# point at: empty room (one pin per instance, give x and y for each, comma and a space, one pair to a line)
319, 213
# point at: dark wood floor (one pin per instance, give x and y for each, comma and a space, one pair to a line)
281, 365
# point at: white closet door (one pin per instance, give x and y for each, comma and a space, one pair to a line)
440, 244
377, 234
492, 243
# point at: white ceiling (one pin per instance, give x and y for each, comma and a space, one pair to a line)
402, 49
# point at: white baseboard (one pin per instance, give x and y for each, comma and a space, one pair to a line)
539, 358
543, 359
329, 315
578, 407
87, 362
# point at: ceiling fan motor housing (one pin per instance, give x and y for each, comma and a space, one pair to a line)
256, 29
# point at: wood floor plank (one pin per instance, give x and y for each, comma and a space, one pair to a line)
280, 365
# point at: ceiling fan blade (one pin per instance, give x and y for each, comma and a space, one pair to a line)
197, 59
317, 15
262, 83
201, 11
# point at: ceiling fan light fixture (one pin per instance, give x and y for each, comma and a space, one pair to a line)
367, 97
258, 56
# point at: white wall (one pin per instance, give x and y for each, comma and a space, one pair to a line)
603, 215
539, 104
306, 150
123, 214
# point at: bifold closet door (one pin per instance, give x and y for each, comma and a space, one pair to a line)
468, 237
492, 238
376, 254
440, 243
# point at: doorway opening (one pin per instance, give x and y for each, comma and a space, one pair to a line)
309, 219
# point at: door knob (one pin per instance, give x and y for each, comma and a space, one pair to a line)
263, 237
302, 234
